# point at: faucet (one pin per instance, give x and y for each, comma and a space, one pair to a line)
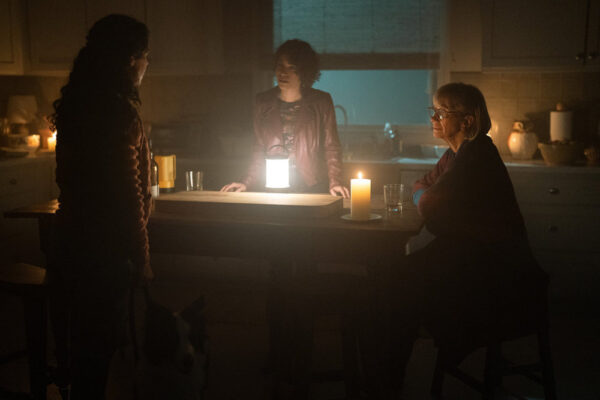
343, 112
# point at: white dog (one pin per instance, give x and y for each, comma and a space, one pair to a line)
173, 363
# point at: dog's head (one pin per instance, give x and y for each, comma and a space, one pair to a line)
175, 339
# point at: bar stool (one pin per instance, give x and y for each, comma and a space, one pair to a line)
29, 283
497, 367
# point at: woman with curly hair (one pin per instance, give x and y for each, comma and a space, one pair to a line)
294, 120
298, 121
102, 171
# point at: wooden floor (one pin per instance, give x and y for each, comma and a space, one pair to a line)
234, 291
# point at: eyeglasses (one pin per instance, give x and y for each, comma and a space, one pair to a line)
440, 114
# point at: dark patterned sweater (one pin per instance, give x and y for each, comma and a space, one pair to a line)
103, 174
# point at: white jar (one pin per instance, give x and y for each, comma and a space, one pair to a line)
522, 144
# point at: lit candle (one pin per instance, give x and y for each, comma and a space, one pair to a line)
360, 199
33, 141
52, 142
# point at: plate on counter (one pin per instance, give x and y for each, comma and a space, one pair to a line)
372, 217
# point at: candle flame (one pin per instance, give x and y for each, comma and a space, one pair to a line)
54, 134
359, 175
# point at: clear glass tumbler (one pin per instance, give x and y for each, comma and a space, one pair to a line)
193, 180
393, 196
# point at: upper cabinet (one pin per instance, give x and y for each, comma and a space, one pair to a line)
11, 45
185, 35
56, 33
540, 33
94, 10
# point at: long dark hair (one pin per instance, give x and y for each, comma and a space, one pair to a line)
102, 69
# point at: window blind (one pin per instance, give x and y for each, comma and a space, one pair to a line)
363, 34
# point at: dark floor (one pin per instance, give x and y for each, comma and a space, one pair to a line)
234, 292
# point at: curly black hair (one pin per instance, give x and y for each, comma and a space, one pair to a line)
300, 54
102, 68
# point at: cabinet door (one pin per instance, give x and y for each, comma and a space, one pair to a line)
535, 33
94, 10
185, 37
574, 277
11, 57
56, 33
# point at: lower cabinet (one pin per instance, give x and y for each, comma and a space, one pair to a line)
561, 208
23, 182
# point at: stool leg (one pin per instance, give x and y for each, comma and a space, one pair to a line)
35, 331
492, 373
438, 376
547, 366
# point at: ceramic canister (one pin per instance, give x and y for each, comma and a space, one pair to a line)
522, 144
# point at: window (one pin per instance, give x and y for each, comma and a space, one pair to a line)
373, 97
378, 57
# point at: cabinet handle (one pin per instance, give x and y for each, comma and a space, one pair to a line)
552, 228
13, 181
553, 190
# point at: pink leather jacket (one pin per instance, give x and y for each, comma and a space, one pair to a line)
318, 150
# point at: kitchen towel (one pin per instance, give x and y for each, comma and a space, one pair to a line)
560, 125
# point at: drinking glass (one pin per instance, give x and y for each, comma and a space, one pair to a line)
193, 180
393, 196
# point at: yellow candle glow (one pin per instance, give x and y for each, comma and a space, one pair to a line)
52, 142
360, 198
33, 141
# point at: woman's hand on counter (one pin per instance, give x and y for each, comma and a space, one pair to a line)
234, 187
340, 191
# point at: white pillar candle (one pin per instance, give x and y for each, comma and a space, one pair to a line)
360, 198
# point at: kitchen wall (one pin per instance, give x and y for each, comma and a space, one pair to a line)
213, 105
516, 95
207, 106
221, 105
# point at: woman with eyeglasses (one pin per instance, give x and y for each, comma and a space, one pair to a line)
479, 268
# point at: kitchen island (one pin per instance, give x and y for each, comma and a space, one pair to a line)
560, 205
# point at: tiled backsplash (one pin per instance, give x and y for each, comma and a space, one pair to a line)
213, 105
532, 95
222, 104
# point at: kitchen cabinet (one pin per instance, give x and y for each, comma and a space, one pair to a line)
538, 33
23, 181
57, 29
185, 36
561, 208
11, 45
460, 49
94, 10
56, 33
